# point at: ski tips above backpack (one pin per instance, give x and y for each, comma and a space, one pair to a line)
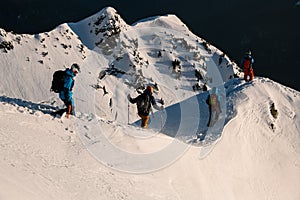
58, 81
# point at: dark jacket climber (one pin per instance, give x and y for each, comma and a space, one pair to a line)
144, 102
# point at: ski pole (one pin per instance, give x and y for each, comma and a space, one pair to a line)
161, 120
128, 112
161, 117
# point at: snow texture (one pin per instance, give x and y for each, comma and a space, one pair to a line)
102, 153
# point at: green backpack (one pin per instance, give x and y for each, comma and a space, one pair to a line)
213, 100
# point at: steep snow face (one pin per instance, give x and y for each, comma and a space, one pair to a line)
262, 148
27, 66
252, 160
167, 21
95, 30
159, 51
117, 58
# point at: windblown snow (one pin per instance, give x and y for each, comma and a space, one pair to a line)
101, 153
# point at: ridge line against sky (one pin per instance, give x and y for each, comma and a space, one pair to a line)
267, 32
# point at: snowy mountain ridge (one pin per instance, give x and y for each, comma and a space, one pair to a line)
256, 156
101, 29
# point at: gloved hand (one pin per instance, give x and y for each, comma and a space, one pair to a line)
162, 107
162, 101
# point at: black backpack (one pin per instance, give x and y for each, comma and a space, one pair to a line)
143, 104
58, 81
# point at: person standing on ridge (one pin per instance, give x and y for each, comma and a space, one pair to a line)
144, 102
247, 63
213, 101
66, 94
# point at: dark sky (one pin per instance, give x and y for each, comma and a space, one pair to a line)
270, 28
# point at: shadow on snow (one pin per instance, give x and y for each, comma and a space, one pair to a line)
44, 108
187, 119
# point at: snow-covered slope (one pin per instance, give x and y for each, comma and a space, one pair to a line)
253, 159
27, 68
42, 157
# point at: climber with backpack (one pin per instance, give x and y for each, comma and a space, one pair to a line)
213, 101
144, 102
247, 63
62, 83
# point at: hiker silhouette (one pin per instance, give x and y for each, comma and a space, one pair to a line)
213, 101
144, 102
66, 94
247, 64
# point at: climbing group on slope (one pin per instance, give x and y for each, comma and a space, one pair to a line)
63, 82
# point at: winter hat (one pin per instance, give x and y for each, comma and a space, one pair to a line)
150, 89
75, 67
